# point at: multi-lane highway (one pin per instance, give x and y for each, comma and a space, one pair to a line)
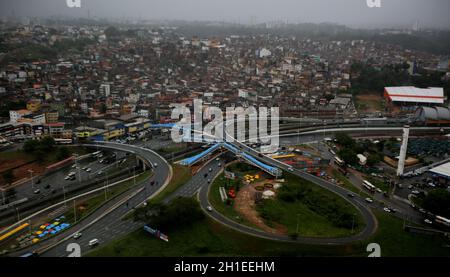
114, 225
106, 223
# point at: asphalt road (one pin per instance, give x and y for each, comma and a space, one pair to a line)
113, 226
357, 201
56, 180
106, 223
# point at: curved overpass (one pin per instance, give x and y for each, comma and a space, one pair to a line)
357, 202
106, 222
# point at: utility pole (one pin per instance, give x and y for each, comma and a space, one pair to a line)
78, 168
134, 176
18, 214
64, 193
31, 176
75, 211
3, 196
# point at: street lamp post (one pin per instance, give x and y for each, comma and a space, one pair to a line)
18, 214
64, 194
75, 210
134, 176
31, 176
78, 168
106, 186
3, 197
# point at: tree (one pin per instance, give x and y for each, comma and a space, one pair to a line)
63, 153
111, 32
438, 202
30, 146
47, 143
348, 155
179, 213
344, 139
373, 159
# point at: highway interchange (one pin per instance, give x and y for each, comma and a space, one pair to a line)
107, 222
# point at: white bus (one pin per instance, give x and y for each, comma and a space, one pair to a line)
366, 184
339, 161
63, 141
442, 220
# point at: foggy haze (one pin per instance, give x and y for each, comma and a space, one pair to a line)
353, 13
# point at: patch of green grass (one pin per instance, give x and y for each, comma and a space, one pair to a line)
208, 238
221, 207
98, 199
379, 184
312, 208
310, 223
181, 175
395, 242
347, 184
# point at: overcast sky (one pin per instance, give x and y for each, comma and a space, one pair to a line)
355, 13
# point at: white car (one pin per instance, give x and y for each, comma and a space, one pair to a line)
77, 235
88, 170
209, 208
427, 221
291, 169
387, 210
368, 200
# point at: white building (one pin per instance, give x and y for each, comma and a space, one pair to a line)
14, 116
143, 113
414, 95
105, 89
262, 53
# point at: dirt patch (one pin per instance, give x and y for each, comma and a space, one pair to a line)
20, 163
369, 103
245, 205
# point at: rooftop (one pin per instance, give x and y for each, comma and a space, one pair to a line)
443, 170
414, 94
